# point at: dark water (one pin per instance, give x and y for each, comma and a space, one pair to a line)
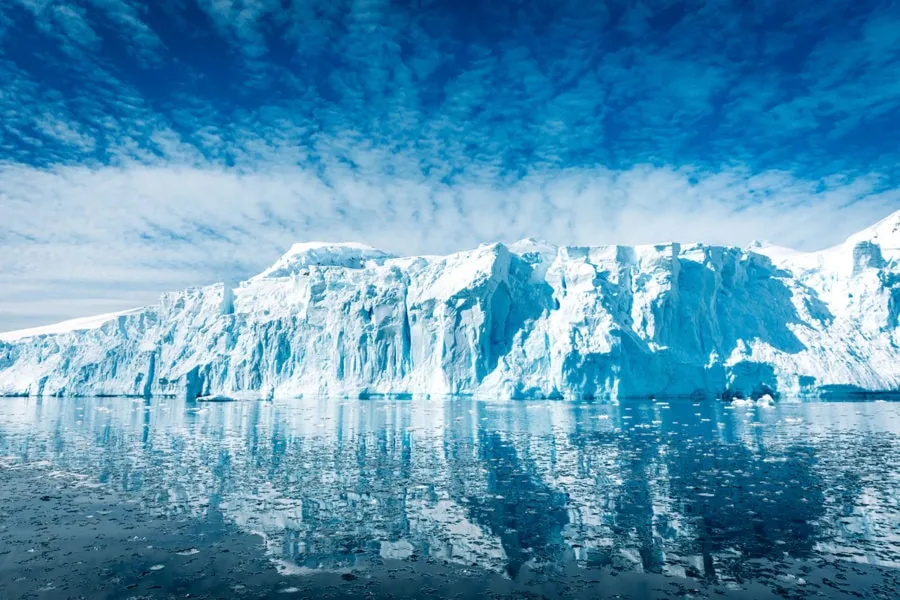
113, 497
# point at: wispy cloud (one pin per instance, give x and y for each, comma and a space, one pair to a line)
128, 232
146, 146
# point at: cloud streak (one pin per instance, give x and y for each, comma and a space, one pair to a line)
121, 234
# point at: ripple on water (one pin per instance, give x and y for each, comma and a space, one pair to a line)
682, 488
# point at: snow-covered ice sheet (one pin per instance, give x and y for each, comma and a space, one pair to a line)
525, 320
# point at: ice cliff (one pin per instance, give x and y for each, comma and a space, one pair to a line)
525, 320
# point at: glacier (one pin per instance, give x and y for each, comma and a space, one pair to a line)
524, 320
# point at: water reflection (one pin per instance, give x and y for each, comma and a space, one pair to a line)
695, 489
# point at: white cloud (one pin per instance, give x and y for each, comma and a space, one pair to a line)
127, 17
133, 231
66, 131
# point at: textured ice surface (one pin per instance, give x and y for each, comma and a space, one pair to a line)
524, 320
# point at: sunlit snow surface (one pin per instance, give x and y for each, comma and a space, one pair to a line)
685, 488
525, 320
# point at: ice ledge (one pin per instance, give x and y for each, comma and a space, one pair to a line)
348, 255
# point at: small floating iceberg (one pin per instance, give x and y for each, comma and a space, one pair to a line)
215, 398
765, 401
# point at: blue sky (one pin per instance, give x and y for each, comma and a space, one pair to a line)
147, 146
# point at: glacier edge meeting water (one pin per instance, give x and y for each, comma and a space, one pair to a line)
525, 320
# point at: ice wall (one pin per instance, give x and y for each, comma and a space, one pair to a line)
526, 320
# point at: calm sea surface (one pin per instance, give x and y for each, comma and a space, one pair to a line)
117, 497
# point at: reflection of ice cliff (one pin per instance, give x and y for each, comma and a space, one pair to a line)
525, 320
687, 488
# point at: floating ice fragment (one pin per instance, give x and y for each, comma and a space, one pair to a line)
766, 400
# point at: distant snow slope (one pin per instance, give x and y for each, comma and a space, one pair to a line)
526, 320
65, 326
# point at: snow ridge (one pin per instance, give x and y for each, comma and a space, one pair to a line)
520, 321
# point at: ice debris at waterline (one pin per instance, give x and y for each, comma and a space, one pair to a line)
525, 320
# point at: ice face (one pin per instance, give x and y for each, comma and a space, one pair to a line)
525, 320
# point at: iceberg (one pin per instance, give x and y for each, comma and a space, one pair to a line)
525, 320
